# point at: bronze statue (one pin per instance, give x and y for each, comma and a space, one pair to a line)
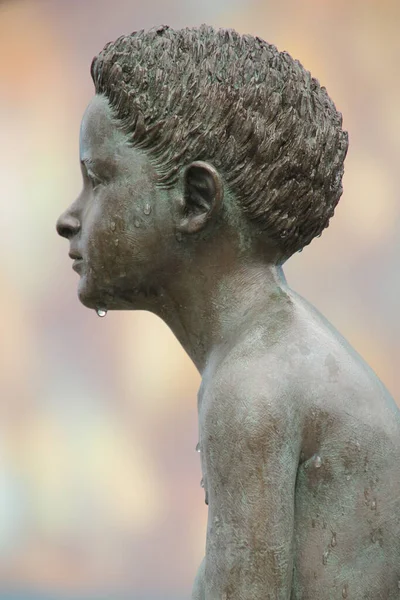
209, 158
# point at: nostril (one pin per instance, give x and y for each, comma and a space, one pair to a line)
65, 232
67, 226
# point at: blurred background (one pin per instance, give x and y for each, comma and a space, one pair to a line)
99, 479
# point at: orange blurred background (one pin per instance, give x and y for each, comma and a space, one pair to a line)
99, 478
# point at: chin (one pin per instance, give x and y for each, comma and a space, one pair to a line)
89, 295
93, 296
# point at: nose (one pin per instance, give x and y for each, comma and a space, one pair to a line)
67, 225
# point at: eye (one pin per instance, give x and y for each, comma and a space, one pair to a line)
94, 180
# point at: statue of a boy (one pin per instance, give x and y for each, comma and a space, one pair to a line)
209, 158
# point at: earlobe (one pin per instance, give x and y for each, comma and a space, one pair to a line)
203, 196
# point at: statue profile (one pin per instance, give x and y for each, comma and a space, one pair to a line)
208, 159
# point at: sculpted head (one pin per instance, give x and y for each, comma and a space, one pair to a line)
195, 140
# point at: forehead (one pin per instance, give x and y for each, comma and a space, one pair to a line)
99, 135
102, 142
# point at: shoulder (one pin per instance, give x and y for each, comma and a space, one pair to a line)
250, 430
251, 396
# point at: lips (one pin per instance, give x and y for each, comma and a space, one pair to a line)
77, 264
77, 258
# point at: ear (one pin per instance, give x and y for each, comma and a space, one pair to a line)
203, 195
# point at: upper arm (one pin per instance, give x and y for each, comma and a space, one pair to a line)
251, 438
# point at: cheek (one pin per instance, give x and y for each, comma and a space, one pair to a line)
123, 237
110, 236
100, 231
133, 221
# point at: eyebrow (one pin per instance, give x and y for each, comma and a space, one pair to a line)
98, 164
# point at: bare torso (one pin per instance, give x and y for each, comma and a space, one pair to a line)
346, 487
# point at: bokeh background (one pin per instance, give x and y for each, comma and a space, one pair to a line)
99, 478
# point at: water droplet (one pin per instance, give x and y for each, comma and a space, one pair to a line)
116, 242
101, 312
137, 223
318, 462
333, 540
202, 483
373, 537
198, 447
398, 584
112, 226
147, 209
345, 591
373, 505
325, 557
348, 477
358, 446
301, 250
283, 233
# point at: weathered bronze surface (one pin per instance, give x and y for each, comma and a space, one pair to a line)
208, 159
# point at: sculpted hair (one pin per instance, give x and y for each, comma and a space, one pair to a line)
255, 113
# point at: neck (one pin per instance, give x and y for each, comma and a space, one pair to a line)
209, 308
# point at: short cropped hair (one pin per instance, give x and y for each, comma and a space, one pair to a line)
237, 102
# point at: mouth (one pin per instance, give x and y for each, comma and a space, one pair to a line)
77, 258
